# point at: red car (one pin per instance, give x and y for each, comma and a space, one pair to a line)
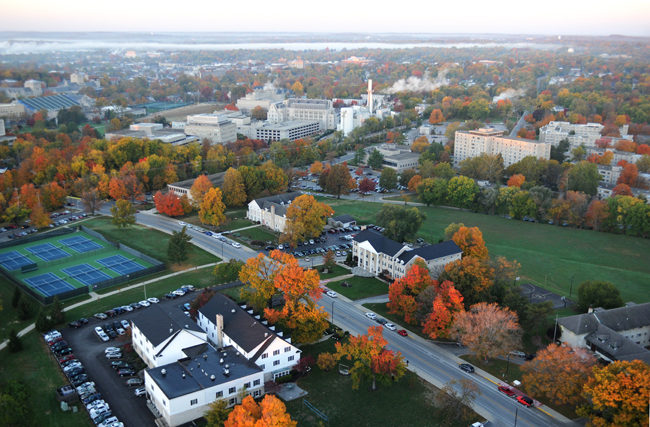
506, 390
324, 290
66, 358
525, 400
403, 333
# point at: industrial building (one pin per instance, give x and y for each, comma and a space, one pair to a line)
309, 110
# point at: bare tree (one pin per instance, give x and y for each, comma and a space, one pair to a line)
91, 201
454, 401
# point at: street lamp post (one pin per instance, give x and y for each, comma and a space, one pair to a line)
507, 367
332, 312
571, 288
516, 413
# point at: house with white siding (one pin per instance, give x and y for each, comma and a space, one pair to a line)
271, 211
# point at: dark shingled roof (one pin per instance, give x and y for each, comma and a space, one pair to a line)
240, 326
429, 252
615, 346
344, 218
379, 242
159, 323
618, 319
280, 201
195, 372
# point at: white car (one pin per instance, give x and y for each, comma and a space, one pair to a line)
371, 316
127, 307
153, 300
307, 259
179, 292
280, 247
140, 391
144, 303
111, 350
331, 294
125, 324
236, 245
120, 331
390, 326
113, 355
181, 223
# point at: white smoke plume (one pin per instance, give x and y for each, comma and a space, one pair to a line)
508, 94
424, 84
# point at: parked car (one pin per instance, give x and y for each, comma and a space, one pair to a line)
136, 305
153, 300
466, 367
179, 292
91, 398
125, 324
188, 288
506, 390
112, 350
113, 355
403, 333
389, 326
331, 294
140, 391
371, 316
133, 382
381, 321
525, 400
75, 324
120, 364
171, 295
125, 372
144, 303
100, 316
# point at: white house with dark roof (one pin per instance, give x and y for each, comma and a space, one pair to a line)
271, 211
160, 336
377, 253
617, 334
182, 390
227, 324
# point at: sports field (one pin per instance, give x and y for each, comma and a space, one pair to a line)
550, 256
59, 264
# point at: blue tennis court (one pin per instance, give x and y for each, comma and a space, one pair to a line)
80, 244
14, 260
121, 264
86, 274
49, 284
48, 252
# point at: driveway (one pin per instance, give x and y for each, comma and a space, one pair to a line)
131, 410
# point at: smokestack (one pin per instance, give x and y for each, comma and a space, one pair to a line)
370, 96
219, 331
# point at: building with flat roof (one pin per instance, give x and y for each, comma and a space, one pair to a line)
291, 130
473, 143
577, 134
378, 254
320, 110
13, 110
260, 98
152, 131
398, 157
218, 128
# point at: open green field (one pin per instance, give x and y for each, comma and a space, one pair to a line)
362, 287
151, 242
550, 256
408, 402
257, 233
334, 272
199, 278
35, 367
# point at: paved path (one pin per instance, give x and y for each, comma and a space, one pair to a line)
336, 279
371, 300
243, 228
96, 297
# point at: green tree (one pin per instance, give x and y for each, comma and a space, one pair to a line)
179, 246
123, 214
375, 159
388, 179
24, 308
43, 322
218, 413
584, 176
432, 191
522, 205
359, 156
15, 345
228, 271
557, 152
484, 167
462, 191
596, 293
15, 407
443, 170
56, 312
401, 223
406, 176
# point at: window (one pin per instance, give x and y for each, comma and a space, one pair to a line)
194, 401
290, 358
256, 382
265, 355
247, 385
256, 393
219, 394
232, 401
232, 390
262, 366
276, 352
276, 363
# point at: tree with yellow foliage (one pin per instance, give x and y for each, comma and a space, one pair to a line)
305, 218
212, 208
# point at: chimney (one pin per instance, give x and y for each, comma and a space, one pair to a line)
370, 96
219, 330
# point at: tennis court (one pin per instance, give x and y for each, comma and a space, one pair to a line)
14, 260
48, 252
49, 284
80, 244
86, 274
121, 264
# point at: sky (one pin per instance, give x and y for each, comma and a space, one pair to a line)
587, 17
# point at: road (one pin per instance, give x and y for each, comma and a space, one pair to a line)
520, 123
430, 361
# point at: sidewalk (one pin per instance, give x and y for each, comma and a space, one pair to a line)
96, 297
240, 229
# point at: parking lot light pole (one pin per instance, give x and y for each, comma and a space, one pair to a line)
332, 312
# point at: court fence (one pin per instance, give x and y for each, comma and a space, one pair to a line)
37, 237
37, 296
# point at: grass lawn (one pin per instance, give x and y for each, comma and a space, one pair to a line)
381, 309
362, 287
151, 242
334, 272
234, 224
497, 367
8, 318
258, 233
409, 402
199, 278
550, 256
233, 293
35, 367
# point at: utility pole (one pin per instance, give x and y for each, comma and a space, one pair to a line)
555, 328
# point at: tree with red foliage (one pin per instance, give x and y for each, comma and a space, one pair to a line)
402, 292
446, 304
629, 175
643, 149
597, 213
367, 185
168, 204
516, 180
200, 300
231, 107
358, 171
622, 190
53, 196
625, 145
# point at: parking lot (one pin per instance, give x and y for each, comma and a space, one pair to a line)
59, 218
88, 348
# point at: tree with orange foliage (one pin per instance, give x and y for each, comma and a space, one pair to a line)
29, 195
199, 189
420, 144
643, 149
402, 292
297, 88
38, 216
470, 241
436, 117
597, 213
270, 412
257, 276
372, 360
53, 196
516, 180
117, 189
487, 330
446, 304
621, 120
414, 183
316, 168
618, 394
472, 277
305, 218
629, 175
168, 204
625, 145
622, 190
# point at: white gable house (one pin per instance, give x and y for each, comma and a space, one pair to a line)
271, 211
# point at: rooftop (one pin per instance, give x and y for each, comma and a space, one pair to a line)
159, 323
379, 242
428, 252
53, 102
216, 179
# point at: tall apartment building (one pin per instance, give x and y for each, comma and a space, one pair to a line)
217, 128
584, 134
320, 110
291, 130
12, 110
473, 143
